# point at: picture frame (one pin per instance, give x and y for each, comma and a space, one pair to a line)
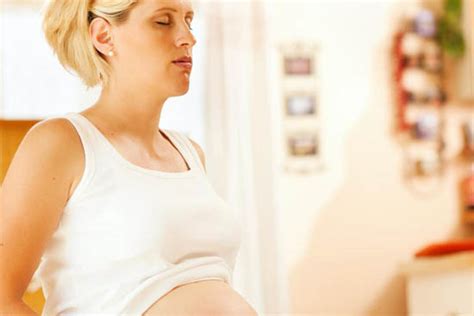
303, 145
298, 65
301, 104
303, 151
299, 59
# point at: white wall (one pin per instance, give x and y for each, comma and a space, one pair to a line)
347, 228
350, 35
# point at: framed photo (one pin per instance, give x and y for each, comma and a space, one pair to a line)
301, 104
298, 66
303, 145
303, 152
299, 59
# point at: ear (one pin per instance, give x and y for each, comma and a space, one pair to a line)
100, 32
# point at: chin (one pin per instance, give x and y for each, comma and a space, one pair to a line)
181, 91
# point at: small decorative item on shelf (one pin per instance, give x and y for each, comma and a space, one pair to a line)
300, 107
423, 168
433, 57
467, 195
426, 127
466, 187
467, 152
424, 24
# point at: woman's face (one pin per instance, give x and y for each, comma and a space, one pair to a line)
156, 33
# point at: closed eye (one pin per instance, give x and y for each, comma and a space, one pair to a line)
162, 23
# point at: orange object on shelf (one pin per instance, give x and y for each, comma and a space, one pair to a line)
445, 248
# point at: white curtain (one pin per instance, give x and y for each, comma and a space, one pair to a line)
238, 137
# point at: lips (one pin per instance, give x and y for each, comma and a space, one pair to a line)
184, 62
186, 59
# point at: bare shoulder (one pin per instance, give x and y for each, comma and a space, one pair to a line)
200, 152
55, 129
57, 133
47, 162
59, 137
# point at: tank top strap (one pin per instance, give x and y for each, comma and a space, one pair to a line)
187, 148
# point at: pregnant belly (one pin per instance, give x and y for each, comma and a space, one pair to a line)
205, 297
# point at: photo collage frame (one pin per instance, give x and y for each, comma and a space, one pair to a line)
301, 107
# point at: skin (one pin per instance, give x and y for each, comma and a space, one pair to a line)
143, 77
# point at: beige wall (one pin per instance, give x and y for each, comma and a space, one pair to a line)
347, 228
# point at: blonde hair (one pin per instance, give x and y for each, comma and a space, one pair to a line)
66, 28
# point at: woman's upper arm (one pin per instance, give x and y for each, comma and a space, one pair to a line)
34, 193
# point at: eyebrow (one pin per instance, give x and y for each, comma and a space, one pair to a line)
171, 9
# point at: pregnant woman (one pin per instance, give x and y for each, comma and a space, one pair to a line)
115, 214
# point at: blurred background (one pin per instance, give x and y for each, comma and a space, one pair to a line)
342, 130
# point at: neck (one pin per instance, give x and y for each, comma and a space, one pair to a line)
136, 114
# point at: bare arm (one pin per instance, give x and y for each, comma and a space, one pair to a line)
16, 309
34, 193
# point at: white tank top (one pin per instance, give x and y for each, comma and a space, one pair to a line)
128, 235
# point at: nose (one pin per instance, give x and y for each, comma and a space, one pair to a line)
185, 37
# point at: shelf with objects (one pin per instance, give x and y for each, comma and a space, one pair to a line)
420, 98
435, 128
428, 48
